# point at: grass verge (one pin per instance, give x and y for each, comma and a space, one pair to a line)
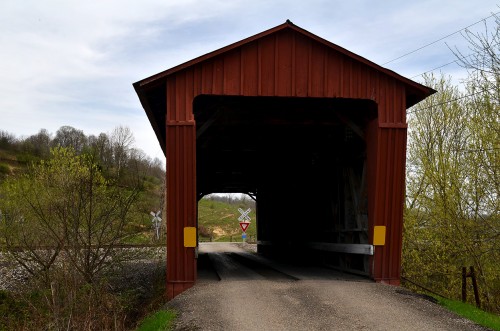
161, 320
468, 311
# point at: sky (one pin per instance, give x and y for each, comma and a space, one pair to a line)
74, 62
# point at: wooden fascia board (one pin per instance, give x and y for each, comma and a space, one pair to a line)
424, 90
412, 87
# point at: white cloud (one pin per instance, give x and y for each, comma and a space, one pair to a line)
73, 63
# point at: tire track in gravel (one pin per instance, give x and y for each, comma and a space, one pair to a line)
255, 294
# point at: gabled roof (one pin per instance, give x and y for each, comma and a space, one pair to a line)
145, 88
287, 25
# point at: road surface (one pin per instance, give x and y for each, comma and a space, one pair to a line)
240, 291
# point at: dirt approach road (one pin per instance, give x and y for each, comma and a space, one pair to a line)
251, 295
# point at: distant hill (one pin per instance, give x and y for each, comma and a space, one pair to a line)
218, 218
8, 163
217, 215
118, 159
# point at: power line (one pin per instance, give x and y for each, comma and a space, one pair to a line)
448, 101
432, 43
447, 64
444, 65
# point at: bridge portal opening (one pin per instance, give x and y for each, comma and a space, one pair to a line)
219, 216
302, 159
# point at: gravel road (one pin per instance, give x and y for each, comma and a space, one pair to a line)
252, 296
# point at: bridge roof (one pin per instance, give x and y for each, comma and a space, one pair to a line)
152, 91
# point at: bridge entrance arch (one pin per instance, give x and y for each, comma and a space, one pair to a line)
286, 115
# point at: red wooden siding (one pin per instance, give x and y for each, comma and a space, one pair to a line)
287, 62
181, 197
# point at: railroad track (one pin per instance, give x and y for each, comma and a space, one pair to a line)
43, 247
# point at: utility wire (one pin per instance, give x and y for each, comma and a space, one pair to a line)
448, 101
432, 43
447, 64
444, 65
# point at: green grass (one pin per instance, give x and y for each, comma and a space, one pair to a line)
139, 238
162, 320
4, 168
221, 219
468, 311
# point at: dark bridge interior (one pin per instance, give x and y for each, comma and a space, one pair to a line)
302, 159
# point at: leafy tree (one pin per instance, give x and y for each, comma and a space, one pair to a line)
65, 205
62, 221
452, 215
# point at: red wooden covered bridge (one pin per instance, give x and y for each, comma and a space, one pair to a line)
315, 133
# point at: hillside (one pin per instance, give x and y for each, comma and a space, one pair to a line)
219, 219
120, 162
9, 163
218, 215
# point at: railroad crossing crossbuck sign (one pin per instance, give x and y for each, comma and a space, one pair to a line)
156, 222
244, 215
244, 220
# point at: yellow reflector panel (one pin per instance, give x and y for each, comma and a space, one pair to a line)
379, 235
189, 237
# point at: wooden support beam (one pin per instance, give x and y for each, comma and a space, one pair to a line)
342, 248
201, 130
353, 126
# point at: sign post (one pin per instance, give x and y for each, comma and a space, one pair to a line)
156, 222
244, 221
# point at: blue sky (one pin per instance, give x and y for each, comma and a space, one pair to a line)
74, 62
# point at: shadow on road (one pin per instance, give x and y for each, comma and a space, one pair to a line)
229, 262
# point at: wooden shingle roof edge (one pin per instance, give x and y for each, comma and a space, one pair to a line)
287, 25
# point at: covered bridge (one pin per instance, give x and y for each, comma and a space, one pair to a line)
315, 133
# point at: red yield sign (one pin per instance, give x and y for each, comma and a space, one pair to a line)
244, 226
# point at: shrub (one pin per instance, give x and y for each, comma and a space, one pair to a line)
4, 169
11, 311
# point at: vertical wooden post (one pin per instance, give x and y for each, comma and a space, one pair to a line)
386, 151
474, 285
472, 275
181, 205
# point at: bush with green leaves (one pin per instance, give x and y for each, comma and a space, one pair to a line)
4, 169
64, 206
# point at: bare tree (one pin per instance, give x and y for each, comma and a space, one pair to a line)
483, 58
6, 139
39, 144
122, 140
68, 136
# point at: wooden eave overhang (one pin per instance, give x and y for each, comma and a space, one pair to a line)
148, 87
